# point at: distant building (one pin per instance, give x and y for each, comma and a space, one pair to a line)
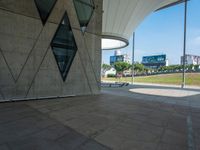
155, 61
112, 71
191, 59
118, 57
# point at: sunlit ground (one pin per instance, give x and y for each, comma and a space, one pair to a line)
164, 92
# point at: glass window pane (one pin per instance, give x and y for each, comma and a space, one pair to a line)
84, 10
64, 46
44, 8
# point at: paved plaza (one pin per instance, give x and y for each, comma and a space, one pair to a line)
118, 119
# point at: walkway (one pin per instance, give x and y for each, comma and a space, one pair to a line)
170, 94
108, 121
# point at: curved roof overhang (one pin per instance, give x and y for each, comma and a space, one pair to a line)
109, 42
120, 19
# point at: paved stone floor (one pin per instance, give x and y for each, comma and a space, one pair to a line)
159, 93
101, 122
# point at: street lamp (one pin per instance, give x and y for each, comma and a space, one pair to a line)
133, 55
184, 44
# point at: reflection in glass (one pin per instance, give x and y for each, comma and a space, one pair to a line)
84, 10
64, 46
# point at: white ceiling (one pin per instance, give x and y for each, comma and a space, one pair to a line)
121, 17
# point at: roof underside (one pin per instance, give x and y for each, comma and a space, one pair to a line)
121, 17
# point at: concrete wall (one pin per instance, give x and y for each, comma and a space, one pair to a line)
27, 66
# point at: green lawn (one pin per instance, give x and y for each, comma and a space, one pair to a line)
176, 78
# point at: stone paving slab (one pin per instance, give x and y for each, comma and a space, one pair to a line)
25, 128
99, 122
121, 122
169, 95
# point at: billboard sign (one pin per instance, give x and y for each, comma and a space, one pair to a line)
119, 58
154, 59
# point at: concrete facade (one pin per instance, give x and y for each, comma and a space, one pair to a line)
28, 69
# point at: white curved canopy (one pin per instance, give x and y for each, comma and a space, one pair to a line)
121, 17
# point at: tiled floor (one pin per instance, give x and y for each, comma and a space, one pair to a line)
105, 121
25, 128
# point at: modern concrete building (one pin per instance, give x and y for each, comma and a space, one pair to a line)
121, 18
191, 59
49, 48
52, 48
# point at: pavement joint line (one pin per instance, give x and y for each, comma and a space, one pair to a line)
190, 134
162, 134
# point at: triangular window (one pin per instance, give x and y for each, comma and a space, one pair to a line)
45, 7
84, 10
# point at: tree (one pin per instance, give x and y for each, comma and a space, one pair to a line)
120, 67
147, 70
196, 67
138, 67
105, 67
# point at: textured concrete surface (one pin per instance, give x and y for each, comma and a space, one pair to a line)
25, 128
27, 64
105, 121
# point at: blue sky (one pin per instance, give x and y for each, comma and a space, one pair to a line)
162, 33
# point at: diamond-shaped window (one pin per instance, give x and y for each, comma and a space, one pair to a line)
84, 10
45, 7
64, 46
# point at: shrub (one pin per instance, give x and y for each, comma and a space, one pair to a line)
111, 75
